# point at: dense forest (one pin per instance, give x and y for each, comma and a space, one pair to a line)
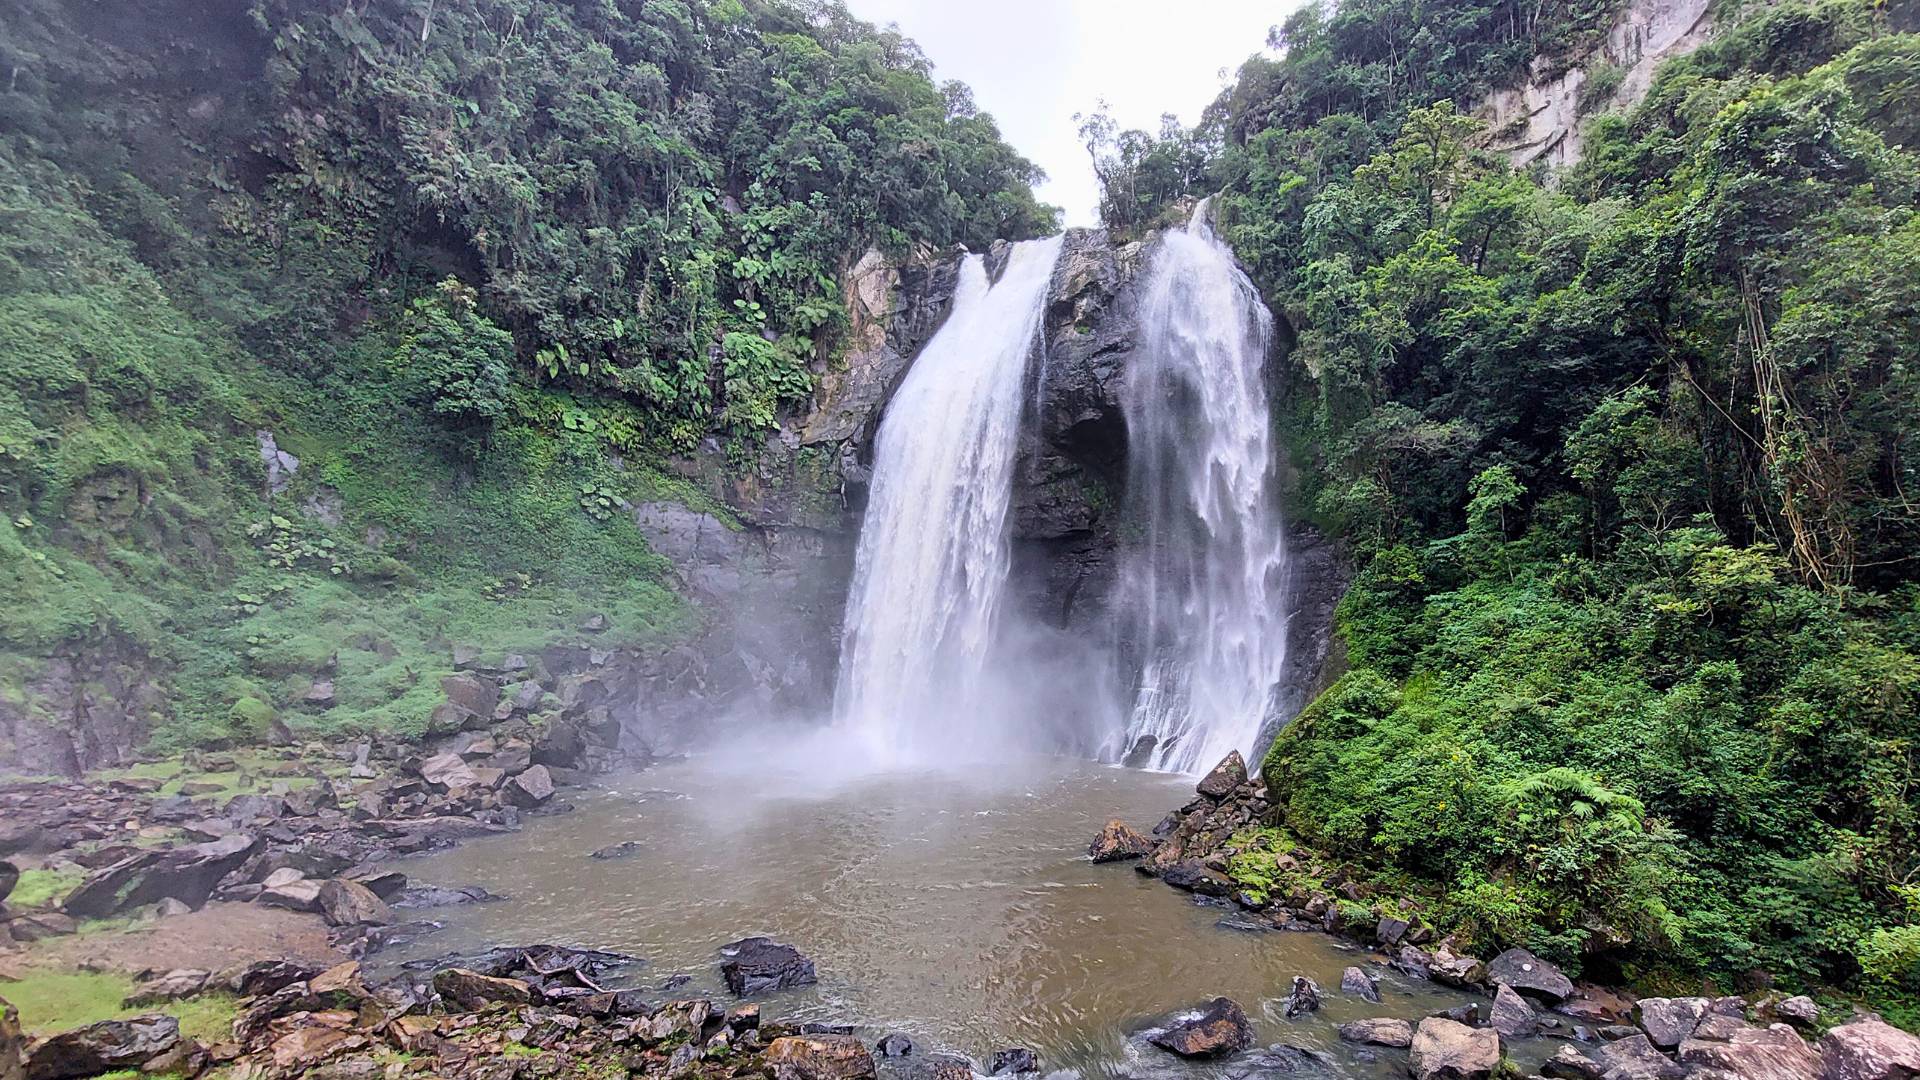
477, 266
1625, 458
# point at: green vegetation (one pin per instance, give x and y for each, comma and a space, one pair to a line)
37, 888
1625, 463
51, 1001
479, 267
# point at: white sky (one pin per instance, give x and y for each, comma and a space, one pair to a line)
1034, 63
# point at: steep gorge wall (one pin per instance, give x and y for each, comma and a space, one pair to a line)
776, 580
1541, 119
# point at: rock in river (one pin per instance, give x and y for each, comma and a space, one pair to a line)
349, 903
1380, 1031
1304, 998
755, 964
1013, 1060
1445, 1050
1117, 841
1513, 1018
1220, 1028
1357, 982
819, 1057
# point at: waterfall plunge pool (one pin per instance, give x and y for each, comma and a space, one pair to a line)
959, 909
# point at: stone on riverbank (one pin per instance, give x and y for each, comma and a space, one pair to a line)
1669, 1021
1221, 1028
1869, 1050
820, 1057
1769, 1053
756, 964
1226, 776
1529, 974
1444, 1050
472, 990
1013, 1060
187, 874
1117, 841
107, 1046
349, 903
530, 788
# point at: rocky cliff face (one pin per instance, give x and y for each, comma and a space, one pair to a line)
1541, 120
776, 580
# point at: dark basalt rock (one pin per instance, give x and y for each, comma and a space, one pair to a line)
758, 964
431, 896
623, 850
472, 990
893, 1045
1013, 1059
1195, 877
107, 1046
9, 877
1304, 998
187, 874
1220, 1029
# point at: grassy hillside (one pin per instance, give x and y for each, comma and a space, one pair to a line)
1625, 457
480, 271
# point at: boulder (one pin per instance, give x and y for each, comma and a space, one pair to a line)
1462, 972
1388, 931
295, 894
1117, 841
107, 1046
1869, 1050
1303, 998
1219, 1028
1225, 777
448, 770
1379, 1031
1196, 877
819, 1057
1357, 982
471, 691
187, 874
1529, 974
349, 903
265, 977
472, 990
1799, 1010
1012, 1060
529, 789
9, 877
756, 964
1444, 1050
1636, 1058
893, 1045
172, 986
1669, 1021
1770, 1053
1512, 1017
1568, 1063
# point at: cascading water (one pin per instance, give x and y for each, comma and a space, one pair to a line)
933, 550
1200, 587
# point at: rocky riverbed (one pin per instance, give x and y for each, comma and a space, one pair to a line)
315, 927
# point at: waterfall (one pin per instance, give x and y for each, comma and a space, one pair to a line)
1201, 580
933, 549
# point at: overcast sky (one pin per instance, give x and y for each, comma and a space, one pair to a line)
1034, 63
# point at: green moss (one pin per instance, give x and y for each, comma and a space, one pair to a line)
37, 888
51, 1001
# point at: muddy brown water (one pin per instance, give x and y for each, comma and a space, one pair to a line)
959, 909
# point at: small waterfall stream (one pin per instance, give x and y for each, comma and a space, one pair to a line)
1200, 587
933, 550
